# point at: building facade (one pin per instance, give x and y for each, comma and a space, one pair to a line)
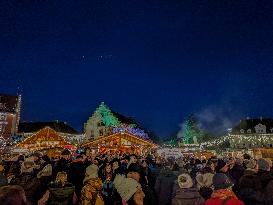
10, 109
252, 133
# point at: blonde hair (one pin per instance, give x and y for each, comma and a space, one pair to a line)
61, 178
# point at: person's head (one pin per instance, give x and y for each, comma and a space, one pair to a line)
108, 168
250, 164
96, 161
134, 171
37, 156
79, 158
133, 158
46, 159
221, 181
12, 195
137, 198
129, 190
91, 172
263, 164
28, 165
115, 163
61, 178
144, 163
222, 166
185, 181
66, 154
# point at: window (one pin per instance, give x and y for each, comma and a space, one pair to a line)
249, 131
242, 131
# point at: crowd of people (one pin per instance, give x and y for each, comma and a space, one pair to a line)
123, 179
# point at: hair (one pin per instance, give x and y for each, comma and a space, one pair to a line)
61, 178
79, 157
12, 194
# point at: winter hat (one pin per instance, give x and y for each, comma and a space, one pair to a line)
220, 164
263, 164
91, 172
221, 181
134, 167
28, 165
126, 187
204, 180
184, 181
250, 164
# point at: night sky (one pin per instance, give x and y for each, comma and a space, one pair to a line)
155, 60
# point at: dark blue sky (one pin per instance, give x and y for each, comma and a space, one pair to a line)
156, 60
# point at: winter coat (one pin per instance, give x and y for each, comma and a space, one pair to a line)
164, 185
91, 192
221, 201
31, 185
76, 175
3, 179
149, 195
250, 189
188, 196
266, 181
59, 195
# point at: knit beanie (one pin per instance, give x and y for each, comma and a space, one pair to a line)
184, 181
221, 181
250, 164
134, 167
28, 165
91, 172
126, 187
263, 164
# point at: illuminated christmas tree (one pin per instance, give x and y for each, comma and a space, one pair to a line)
191, 132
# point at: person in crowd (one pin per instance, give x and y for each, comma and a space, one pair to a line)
91, 193
3, 178
37, 158
223, 194
108, 190
129, 190
236, 171
146, 171
164, 184
15, 168
135, 172
13, 195
62, 164
28, 181
266, 180
204, 182
45, 175
116, 167
76, 174
249, 185
59, 192
185, 193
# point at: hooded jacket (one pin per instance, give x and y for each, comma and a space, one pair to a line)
60, 195
91, 192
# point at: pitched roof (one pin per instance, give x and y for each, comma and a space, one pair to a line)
251, 123
46, 134
31, 127
124, 135
8, 103
124, 119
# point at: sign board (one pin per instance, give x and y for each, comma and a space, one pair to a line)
170, 152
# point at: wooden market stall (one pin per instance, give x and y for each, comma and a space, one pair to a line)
45, 139
121, 142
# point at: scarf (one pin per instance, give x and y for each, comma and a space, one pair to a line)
223, 193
